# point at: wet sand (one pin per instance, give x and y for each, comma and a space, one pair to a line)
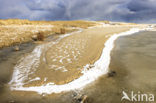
133, 59
72, 53
93, 46
62, 62
102, 90
8, 59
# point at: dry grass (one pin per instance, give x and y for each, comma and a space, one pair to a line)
40, 36
12, 34
63, 31
79, 23
14, 31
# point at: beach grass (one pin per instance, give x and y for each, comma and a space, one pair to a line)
16, 31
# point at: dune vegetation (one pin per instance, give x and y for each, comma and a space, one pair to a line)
15, 31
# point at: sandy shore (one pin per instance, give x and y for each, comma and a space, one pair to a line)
71, 53
134, 67
62, 62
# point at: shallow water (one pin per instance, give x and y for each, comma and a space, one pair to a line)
133, 59
45, 72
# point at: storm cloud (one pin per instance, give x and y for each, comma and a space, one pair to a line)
142, 11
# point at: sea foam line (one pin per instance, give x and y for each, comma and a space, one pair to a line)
28, 64
100, 67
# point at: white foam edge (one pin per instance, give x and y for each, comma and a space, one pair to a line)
100, 68
26, 65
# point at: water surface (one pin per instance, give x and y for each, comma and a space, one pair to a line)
134, 60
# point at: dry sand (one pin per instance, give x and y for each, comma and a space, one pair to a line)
63, 62
83, 48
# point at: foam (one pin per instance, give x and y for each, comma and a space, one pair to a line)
23, 69
28, 64
100, 68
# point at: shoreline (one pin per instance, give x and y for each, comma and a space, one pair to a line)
86, 76
131, 75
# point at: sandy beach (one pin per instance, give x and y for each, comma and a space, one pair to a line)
77, 51
60, 62
65, 60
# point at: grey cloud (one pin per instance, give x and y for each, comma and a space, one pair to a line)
115, 10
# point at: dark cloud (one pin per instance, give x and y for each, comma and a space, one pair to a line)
142, 11
116, 10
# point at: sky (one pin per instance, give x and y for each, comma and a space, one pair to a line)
138, 11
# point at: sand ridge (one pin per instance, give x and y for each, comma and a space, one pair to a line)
64, 61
